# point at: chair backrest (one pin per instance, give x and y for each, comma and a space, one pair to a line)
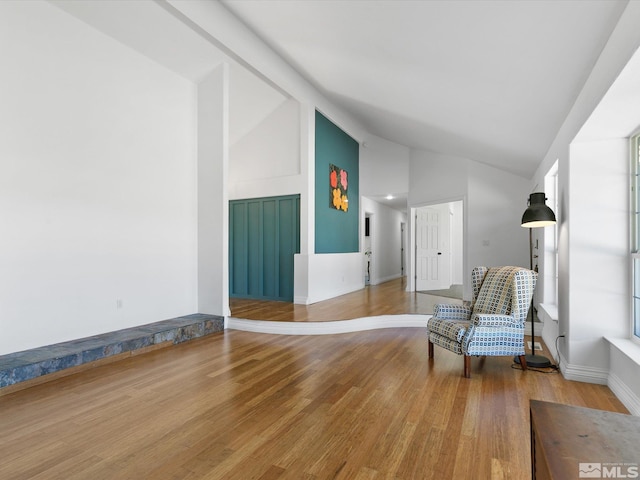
504, 291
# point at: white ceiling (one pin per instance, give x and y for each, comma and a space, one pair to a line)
480, 79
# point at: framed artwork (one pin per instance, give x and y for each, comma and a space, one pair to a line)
338, 183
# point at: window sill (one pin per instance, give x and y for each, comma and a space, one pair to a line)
626, 346
551, 310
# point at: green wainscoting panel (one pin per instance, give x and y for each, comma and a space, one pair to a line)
289, 241
336, 230
270, 250
264, 234
238, 256
253, 254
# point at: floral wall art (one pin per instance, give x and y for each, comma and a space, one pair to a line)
338, 183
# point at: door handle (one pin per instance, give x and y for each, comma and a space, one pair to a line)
439, 253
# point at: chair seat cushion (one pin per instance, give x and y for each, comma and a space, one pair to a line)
447, 334
450, 329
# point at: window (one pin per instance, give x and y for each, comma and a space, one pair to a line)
635, 235
551, 238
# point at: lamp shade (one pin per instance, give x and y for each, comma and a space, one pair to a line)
537, 213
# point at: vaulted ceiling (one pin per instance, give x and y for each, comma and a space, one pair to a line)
489, 80
481, 79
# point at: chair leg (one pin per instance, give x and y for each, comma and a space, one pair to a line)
467, 366
523, 362
430, 349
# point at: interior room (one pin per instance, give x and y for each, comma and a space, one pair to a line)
220, 218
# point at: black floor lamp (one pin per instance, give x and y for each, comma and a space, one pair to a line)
536, 215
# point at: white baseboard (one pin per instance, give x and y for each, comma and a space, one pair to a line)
300, 300
628, 398
331, 327
377, 281
584, 374
310, 300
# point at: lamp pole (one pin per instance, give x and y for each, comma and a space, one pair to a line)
534, 360
536, 215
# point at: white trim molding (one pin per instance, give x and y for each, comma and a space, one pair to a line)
580, 373
331, 327
627, 396
624, 362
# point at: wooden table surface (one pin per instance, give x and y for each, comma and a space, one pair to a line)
568, 436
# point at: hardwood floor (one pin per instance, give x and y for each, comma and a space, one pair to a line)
241, 405
389, 298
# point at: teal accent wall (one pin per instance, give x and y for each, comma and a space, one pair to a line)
264, 234
336, 230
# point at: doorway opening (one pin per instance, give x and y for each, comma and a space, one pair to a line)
439, 249
403, 227
367, 247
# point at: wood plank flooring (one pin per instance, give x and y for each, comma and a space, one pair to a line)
241, 405
389, 298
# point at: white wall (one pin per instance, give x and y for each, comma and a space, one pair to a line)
457, 243
494, 201
384, 170
385, 236
436, 178
98, 184
266, 161
251, 100
323, 276
497, 200
593, 281
599, 245
213, 201
384, 167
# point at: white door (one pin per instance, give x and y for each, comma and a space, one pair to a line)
432, 248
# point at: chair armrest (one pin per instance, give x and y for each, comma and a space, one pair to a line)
451, 312
495, 320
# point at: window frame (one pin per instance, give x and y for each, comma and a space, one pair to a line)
550, 236
634, 236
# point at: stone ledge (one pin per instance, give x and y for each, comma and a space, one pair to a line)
29, 364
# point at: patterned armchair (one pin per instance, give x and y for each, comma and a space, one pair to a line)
494, 323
